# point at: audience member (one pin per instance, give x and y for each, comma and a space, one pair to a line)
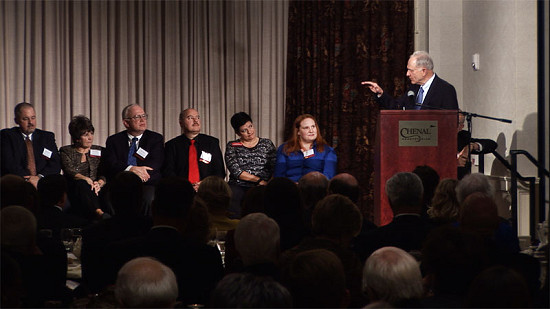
444, 208
125, 193
80, 164
283, 204
345, 184
137, 150
316, 279
27, 151
52, 190
146, 283
253, 201
313, 188
16, 191
472, 183
204, 149
306, 151
430, 179
407, 230
246, 290
215, 192
498, 287
257, 240
392, 275
249, 159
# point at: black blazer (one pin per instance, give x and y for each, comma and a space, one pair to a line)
441, 95
176, 160
14, 152
115, 157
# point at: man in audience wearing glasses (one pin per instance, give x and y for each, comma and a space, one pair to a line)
137, 150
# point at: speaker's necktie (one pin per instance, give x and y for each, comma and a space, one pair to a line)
419, 98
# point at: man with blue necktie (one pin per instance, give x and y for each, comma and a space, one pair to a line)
427, 90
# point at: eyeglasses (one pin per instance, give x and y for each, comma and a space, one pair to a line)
138, 117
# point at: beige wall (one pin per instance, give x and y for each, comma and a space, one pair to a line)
504, 34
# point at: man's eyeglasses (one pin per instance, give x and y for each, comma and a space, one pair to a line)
138, 117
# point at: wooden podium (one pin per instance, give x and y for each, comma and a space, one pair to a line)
406, 139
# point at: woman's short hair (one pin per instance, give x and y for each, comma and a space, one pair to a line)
238, 120
78, 126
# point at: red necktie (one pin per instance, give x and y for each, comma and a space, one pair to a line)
31, 165
194, 175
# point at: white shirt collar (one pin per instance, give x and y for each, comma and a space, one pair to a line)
427, 85
25, 135
130, 137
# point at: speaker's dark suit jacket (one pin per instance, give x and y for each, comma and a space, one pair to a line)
441, 95
14, 152
197, 266
176, 160
463, 139
115, 157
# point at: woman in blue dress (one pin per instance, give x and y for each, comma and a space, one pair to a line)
306, 151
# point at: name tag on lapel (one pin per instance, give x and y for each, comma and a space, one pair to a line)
206, 157
96, 153
46, 153
141, 153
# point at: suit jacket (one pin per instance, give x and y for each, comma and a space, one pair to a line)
176, 160
70, 162
14, 152
197, 266
115, 157
441, 95
463, 139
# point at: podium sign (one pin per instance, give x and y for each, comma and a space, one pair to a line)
406, 139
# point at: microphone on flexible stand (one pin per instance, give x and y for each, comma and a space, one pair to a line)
411, 96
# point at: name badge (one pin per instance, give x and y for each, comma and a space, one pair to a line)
308, 153
141, 153
96, 153
236, 144
205, 157
47, 153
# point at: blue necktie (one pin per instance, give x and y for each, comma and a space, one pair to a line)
419, 98
131, 159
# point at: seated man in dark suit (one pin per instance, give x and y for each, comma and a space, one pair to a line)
428, 91
407, 230
125, 194
477, 146
208, 159
198, 267
136, 150
27, 151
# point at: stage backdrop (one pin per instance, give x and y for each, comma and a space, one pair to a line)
95, 57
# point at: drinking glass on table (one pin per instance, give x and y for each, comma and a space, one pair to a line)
220, 243
66, 236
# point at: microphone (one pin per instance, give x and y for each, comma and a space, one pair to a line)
411, 96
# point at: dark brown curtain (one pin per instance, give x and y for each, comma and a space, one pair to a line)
332, 47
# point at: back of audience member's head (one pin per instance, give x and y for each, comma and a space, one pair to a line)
257, 239
52, 189
316, 279
126, 194
498, 287
18, 226
392, 275
282, 197
405, 191
451, 258
345, 184
146, 283
479, 214
313, 187
216, 193
444, 204
245, 290
430, 179
197, 223
173, 197
472, 183
16, 191
336, 217
253, 201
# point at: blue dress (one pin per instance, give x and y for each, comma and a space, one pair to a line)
294, 165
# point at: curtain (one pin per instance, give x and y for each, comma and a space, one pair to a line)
95, 57
332, 47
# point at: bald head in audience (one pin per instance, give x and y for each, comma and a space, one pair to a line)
146, 283
345, 184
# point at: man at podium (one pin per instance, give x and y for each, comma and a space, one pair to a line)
427, 90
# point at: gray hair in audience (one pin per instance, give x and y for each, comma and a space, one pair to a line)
245, 290
404, 189
472, 183
146, 282
392, 275
257, 239
18, 226
423, 60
